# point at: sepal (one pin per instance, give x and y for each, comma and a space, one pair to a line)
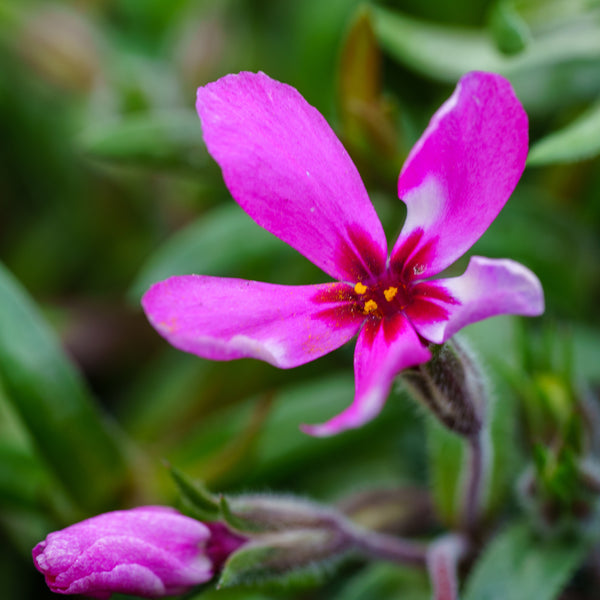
452, 386
262, 513
195, 498
300, 557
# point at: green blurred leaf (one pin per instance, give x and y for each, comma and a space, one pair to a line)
68, 430
518, 566
442, 52
281, 454
150, 140
386, 582
234, 594
22, 478
242, 593
559, 67
510, 31
218, 243
446, 456
25, 528
579, 140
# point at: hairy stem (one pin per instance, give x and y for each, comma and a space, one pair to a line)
386, 547
443, 557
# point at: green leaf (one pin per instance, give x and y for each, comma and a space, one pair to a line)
386, 582
446, 456
22, 478
295, 558
552, 71
442, 52
519, 566
193, 250
510, 31
70, 433
150, 139
195, 496
579, 140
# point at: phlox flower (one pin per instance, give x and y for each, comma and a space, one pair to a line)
286, 168
149, 551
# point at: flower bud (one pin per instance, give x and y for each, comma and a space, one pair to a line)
61, 46
150, 551
452, 386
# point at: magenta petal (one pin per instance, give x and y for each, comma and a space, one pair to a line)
224, 319
383, 349
148, 551
487, 288
462, 171
286, 168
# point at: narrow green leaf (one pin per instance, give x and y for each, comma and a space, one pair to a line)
518, 566
387, 582
195, 496
22, 478
579, 140
152, 139
445, 53
510, 31
68, 430
446, 456
236, 522
439, 51
192, 250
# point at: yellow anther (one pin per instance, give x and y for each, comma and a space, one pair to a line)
390, 293
360, 288
370, 306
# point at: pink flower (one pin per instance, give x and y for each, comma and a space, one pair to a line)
151, 551
285, 167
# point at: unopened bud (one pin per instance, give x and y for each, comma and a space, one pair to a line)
60, 46
452, 386
262, 513
150, 551
286, 556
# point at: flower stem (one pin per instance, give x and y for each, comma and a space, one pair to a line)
386, 547
443, 557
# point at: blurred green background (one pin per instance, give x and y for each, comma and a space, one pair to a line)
106, 187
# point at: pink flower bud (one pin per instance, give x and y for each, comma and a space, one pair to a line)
150, 551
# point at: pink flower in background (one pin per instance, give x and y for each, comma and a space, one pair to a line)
151, 551
286, 168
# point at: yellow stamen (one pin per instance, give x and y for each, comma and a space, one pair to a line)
370, 306
390, 293
360, 288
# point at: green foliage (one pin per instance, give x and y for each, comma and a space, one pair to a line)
68, 430
517, 565
107, 187
150, 140
580, 140
386, 582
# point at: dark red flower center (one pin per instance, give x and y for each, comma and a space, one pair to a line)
383, 298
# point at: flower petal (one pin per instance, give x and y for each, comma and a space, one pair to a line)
224, 319
487, 288
383, 349
286, 168
461, 172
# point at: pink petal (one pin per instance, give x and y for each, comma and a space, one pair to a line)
487, 288
286, 168
224, 319
383, 349
461, 172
